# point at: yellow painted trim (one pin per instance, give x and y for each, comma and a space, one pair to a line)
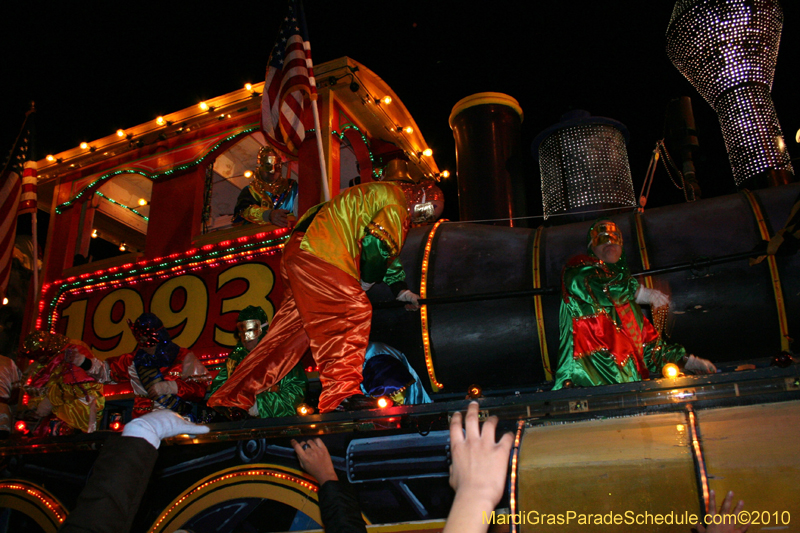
268, 481
423, 310
485, 99
537, 305
34, 501
637, 217
773, 271
432, 526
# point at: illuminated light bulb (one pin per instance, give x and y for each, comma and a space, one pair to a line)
446, 174
142, 202
120, 133
680, 427
122, 247
50, 158
671, 371
384, 402
203, 106
797, 136
248, 173
160, 121
21, 426
304, 409
84, 145
115, 425
5, 301
408, 129
474, 392
427, 152
386, 99
248, 86
94, 234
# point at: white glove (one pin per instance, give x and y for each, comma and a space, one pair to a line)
698, 365
161, 424
653, 297
162, 388
410, 298
253, 411
364, 285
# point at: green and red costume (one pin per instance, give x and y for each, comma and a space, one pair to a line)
604, 337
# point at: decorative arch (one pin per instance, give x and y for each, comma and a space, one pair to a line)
34, 501
267, 481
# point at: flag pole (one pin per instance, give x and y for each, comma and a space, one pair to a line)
30, 173
313, 83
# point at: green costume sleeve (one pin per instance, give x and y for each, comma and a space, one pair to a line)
377, 264
234, 358
659, 352
284, 402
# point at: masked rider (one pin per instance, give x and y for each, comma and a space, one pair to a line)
605, 337
270, 197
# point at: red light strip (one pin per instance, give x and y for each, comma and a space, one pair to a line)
697, 451
250, 473
423, 311
512, 498
54, 507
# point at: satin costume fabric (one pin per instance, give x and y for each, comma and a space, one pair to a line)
190, 375
414, 393
282, 401
251, 206
10, 378
604, 336
324, 306
77, 398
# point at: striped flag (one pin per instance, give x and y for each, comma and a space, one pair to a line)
12, 188
9, 200
27, 198
290, 76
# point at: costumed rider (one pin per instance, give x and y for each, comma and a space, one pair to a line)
270, 197
63, 395
163, 375
337, 251
283, 398
10, 380
388, 373
605, 338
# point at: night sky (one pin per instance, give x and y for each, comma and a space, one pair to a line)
94, 68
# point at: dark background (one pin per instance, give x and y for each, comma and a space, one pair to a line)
93, 68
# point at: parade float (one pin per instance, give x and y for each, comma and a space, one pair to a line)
163, 192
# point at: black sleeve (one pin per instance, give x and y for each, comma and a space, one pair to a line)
339, 508
111, 497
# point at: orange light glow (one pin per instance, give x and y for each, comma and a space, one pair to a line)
446, 174
671, 371
386, 99
120, 133
384, 402
203, 106
427, 152
160, 121
84, 145
304, 409
408, 129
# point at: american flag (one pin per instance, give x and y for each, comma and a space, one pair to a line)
11, 189
290, 76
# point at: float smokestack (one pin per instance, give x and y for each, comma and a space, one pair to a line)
486, 128
728, 50
583, 161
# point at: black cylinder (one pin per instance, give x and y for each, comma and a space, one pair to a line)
725, 312
486, 128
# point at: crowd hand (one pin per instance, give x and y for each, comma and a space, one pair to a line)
161, 424
478, 472
698, 365
315, 459
364, 285
725, 510
651, 297
411, 299
279, 217
162, 388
